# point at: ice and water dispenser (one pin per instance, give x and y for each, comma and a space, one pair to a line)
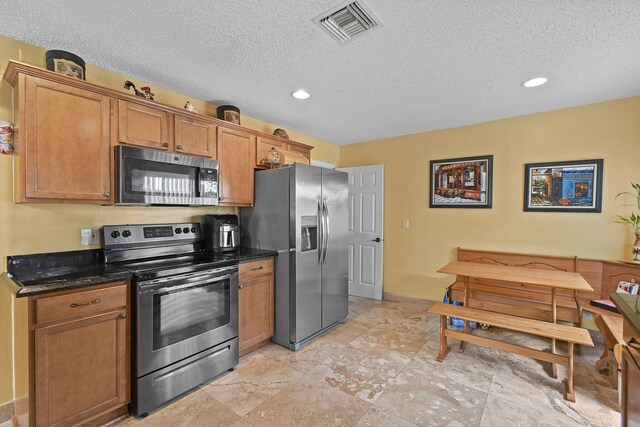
309, 233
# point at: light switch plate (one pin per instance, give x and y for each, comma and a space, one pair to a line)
89, 236
405, 223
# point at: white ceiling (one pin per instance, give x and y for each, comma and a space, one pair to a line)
433, 64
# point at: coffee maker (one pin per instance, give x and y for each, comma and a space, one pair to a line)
222, 233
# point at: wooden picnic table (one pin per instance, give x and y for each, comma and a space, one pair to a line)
553, 279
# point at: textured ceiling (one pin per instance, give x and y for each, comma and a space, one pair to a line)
433, 64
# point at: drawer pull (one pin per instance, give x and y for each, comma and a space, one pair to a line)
82, 304
256, 268
241, 287
166, 144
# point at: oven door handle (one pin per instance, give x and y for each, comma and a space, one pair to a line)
159, 287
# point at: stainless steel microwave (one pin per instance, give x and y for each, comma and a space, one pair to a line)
152, 177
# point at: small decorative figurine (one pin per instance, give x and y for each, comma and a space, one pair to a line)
189, 107
6, 137
273, 159
281, 133
144, 91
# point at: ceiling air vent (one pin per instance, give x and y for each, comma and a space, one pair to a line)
347, 21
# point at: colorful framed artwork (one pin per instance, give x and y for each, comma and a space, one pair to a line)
574, 186
464, 182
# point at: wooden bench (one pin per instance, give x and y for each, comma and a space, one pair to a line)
570, 334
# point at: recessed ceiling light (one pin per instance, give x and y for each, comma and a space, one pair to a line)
537, 81
301, 94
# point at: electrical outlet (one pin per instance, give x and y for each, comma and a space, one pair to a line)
405, 223
89, 236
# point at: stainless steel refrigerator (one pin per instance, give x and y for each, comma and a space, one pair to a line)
301, 211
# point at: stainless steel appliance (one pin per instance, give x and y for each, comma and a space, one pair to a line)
222, 233
301, 211
152, 177
185, 309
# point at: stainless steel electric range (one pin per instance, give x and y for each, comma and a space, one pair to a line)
185, 307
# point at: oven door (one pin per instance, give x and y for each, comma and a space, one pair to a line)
180, 316
154, 177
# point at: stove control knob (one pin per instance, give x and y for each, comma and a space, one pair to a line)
194, 229
115, 234
126, 233
185, 230
178, 230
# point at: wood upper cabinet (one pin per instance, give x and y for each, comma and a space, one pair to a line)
290, 151
255, 304
144, 126
62, 143
193, 136
81, 356
236, 154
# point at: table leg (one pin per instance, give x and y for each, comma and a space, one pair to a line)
570, 396
580, 314
466, 304
554, 319
444, 348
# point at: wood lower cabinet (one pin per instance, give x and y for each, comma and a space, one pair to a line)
62, 143
236, 154
81, 371
144, 126
255, 305
193, 136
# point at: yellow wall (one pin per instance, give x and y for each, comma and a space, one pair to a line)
33, 228
609, 130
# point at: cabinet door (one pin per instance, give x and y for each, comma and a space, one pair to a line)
195, 136
236, 154
255, 311
264, 147
66, 148
145, 126
81, 368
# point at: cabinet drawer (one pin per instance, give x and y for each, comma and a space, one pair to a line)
249, 270
82, 303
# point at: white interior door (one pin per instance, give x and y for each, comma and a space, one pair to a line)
365, 237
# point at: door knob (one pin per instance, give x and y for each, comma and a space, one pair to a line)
377, 239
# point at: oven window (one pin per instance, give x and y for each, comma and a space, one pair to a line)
185, 313
146, 177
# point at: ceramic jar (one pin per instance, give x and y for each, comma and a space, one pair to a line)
6, 137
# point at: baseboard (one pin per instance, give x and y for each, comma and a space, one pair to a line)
388, 296
7, 411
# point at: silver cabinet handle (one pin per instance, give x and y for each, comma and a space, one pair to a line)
256, 268
82, 304
106, 194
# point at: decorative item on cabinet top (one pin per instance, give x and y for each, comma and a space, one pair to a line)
66, 63
6, 137
274, 159
144, 92
229, 113
190, 107
281, 133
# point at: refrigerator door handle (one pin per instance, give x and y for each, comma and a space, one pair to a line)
320, 232
326, 230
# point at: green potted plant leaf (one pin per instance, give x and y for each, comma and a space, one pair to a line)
633, 220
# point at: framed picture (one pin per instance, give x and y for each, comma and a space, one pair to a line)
574, 186
465, 182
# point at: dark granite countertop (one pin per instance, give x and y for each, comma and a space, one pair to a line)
629, 306
37, 274
60, 271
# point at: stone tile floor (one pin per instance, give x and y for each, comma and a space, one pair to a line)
379, 369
